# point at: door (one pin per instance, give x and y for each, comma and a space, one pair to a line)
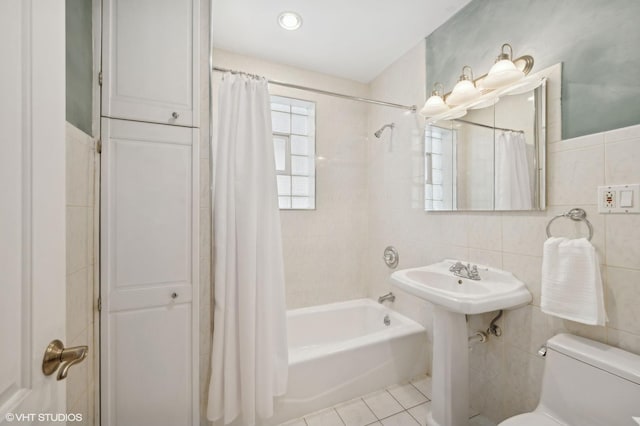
32, 206
148, 60
149, 264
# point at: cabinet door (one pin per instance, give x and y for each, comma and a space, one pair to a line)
149, 57
149, 264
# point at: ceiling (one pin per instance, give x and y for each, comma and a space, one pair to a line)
353, 39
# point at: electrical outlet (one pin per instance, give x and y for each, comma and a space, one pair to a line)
610, 199
619, 198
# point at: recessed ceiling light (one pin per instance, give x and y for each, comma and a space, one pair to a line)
290, 20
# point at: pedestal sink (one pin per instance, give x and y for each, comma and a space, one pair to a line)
453, 297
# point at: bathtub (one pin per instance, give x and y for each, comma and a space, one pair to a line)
344, 350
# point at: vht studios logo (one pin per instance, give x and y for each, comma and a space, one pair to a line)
43, 417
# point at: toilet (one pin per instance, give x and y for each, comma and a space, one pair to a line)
585, 383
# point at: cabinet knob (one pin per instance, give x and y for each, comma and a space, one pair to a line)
175, 115
174, 295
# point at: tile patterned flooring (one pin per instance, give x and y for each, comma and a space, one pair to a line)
398, 405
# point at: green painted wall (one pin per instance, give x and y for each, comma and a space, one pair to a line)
597, 41
79, 63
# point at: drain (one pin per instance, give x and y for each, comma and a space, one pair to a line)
387, 320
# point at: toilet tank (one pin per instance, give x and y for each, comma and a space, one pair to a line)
587, 383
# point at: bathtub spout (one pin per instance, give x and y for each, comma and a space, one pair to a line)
389, 296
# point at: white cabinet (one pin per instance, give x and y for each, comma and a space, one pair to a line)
149, 62
149, 236
149, 274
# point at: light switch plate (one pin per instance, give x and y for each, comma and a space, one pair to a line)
619, 198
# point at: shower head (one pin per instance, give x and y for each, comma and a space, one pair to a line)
379, 132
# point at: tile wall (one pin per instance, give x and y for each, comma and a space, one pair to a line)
395, 184
506, 373
81, 270
323, 248
206, 294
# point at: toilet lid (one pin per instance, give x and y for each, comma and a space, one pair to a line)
530, 419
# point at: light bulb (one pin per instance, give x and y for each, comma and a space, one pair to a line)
290, 20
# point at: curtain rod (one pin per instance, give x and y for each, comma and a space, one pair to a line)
411, 108
489, 127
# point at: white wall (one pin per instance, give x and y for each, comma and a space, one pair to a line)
82, 232
323, 248
396, 184
206, 282
370, 195
506, 373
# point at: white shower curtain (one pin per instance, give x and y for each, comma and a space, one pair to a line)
512, 182
249, 361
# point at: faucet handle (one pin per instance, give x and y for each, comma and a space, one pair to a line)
457, 267
473, 273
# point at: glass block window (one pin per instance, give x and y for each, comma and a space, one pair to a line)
437, 190
293, 122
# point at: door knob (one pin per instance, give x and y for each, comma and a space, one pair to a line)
56, 355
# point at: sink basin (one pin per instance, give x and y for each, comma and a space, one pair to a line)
496, 290
453, 297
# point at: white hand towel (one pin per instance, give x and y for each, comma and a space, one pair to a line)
571, 281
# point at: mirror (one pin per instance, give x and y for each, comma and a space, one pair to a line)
492, 159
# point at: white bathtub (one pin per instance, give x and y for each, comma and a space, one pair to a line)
344, 350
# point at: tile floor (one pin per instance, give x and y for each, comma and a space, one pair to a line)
398, 405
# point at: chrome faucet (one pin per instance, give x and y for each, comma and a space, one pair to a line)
465, 271
389, 296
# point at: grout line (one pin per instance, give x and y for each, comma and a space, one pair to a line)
339, 416
421, 393
374, 413
396, 400
413, 417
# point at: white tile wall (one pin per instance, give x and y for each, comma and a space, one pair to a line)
506, 376
370, 196
395, 212
206, 293
324, 249
81, 260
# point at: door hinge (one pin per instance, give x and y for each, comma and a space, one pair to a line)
99, 146
99, 304
100, 78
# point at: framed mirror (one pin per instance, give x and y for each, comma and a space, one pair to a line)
492, 159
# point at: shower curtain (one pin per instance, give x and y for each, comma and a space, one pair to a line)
249, 358
512, 182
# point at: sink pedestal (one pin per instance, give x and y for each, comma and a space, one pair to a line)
453, 297
450, 376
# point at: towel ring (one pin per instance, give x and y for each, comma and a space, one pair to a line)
573, 214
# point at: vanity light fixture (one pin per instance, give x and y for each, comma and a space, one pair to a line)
435, 104
290, 20
506, 77
484, 102
504, 71
465, 90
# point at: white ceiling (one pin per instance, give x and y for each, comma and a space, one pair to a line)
354, 39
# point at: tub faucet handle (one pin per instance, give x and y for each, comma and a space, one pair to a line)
389, 296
